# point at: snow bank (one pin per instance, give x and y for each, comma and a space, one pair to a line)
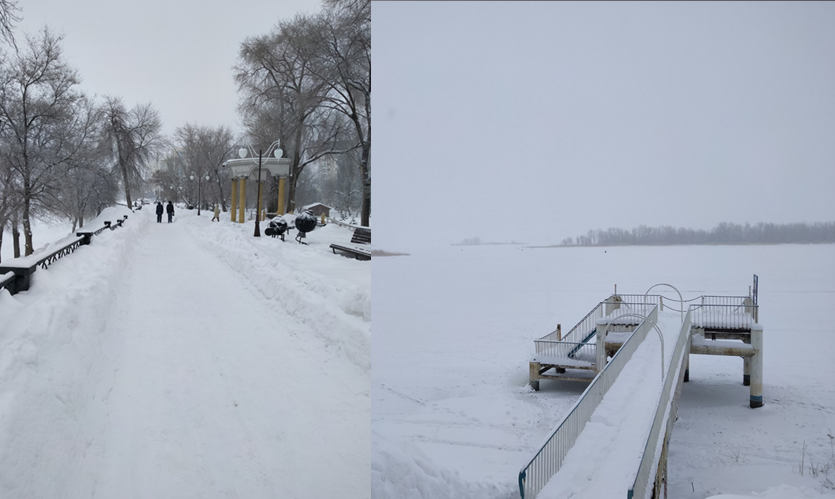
308, 282
401, 470
780, 492
52, 374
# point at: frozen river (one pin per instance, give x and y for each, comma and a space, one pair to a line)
451, 410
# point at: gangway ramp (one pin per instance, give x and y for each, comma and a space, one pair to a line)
607, 452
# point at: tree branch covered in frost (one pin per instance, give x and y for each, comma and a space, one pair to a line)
724, 233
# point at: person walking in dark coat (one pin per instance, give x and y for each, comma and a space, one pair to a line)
170, 210
159, 212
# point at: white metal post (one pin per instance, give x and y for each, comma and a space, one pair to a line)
600, 347
757, 366
746, 371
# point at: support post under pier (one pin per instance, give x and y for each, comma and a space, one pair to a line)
534, 375
756, 368
746, 371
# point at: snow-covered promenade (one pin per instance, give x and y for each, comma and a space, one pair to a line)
188, 360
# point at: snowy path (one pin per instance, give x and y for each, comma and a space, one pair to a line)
605, 457
204, 389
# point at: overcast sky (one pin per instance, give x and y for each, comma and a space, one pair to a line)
538, 121
176, 54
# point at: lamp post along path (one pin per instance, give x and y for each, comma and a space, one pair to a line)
242, 152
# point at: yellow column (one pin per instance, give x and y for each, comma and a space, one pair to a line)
280, 209
261, 200
242, 200
234, 208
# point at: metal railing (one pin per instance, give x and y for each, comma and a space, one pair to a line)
724, 317
22, 269
665, 414
64, 250
645, 299
721, 300
583, 328
625, 308
583, 333
548, 460
567, 351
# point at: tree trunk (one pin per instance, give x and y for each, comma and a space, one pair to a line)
366, 185
296, 172
27, 225
15, 238
220, 194
291, 193
124, 168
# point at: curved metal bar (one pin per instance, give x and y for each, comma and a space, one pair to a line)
657, 330
677, 291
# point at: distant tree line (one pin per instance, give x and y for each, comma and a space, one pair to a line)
724, 233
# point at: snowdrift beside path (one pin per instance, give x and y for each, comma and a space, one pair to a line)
404, 472
52, 378
329, 292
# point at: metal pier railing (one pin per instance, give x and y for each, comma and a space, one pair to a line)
548, 460
665, 415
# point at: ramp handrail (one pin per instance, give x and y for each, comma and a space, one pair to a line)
587, 324
548, 460
582, 328
665, 415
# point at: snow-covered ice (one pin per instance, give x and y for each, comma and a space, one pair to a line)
452, 415
188, 360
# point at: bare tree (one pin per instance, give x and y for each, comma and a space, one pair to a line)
343, 63
8, 18
42, 128
134, 136
89, 185
282, 96
204, 150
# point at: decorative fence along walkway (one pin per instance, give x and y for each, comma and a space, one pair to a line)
612, 330
16, 276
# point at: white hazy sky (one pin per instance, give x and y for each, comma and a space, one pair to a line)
537, 121
177, 54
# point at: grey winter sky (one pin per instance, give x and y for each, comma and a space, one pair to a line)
538, 121
177, 54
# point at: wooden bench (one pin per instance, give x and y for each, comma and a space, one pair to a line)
362, 235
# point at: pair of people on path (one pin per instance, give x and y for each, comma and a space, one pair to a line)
169, 209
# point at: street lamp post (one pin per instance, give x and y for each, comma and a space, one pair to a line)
198, 191
242, 154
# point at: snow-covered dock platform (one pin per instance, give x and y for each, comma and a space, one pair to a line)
597, 437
